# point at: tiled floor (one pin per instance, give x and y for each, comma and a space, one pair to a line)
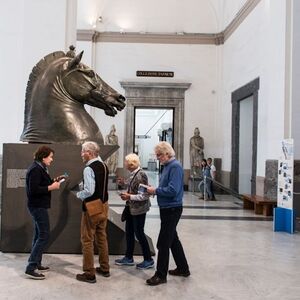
233, 254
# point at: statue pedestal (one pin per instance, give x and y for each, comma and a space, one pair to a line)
112, 183
194, 183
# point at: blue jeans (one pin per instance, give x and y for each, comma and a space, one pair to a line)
41, 235
208, 188
135, 226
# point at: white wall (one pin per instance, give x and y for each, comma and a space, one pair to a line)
295, 105
148, 16
257, 49
29, 30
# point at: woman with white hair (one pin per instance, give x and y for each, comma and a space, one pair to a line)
138, 204
169, 198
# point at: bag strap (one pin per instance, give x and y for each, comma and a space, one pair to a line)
105, 177
129, 186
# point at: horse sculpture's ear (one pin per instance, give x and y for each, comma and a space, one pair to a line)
75, 61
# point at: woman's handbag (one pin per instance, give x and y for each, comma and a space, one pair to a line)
125, 214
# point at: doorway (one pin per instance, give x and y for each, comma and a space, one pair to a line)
156, 95
151, 125
244, 138
245, 145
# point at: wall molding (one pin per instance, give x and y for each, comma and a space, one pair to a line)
170, 38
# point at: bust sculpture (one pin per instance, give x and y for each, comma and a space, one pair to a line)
196, 152
112, 161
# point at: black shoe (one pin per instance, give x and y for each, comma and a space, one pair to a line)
43, 268
103, 273
177, 272
155, 280
34, 275
86, 278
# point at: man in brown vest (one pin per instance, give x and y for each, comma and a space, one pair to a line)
93, 227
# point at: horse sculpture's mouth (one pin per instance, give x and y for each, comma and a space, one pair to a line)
109, 103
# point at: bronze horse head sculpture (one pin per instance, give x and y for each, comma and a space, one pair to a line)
58, 88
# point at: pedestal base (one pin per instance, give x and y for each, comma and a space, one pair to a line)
112, 183
194, 183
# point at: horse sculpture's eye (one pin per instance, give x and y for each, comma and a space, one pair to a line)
90, 73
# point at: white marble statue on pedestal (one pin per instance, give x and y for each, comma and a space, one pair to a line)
112, 161
196, 152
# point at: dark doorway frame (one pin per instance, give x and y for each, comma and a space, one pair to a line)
248, 90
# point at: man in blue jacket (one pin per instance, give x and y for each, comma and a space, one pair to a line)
169, 198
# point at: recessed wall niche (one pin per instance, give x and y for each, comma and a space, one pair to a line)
155, 95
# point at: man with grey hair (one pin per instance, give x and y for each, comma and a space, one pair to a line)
169, 198
95, 181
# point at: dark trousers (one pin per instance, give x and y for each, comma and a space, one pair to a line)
135, 226
40, 237
168, 239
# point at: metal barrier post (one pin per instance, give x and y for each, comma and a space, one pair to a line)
204, 188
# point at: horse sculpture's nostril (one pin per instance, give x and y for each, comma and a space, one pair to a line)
121, 97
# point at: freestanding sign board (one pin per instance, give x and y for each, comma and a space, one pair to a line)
284, 214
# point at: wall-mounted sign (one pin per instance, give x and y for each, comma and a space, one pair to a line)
154, 74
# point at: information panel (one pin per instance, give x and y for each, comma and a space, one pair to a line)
286, 174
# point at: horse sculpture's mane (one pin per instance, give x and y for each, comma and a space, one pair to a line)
36, 72
58, 88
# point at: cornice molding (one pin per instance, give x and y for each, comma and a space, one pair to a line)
169, 38
150, 38
239, 18
161, 85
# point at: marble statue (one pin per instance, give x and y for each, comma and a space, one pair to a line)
58, 88
196, 152
112, 161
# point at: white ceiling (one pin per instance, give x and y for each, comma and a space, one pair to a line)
158, 16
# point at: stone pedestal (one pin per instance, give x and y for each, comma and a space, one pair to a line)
194, 183
112, 183
271, 179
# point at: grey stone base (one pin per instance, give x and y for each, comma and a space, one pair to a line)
193, 184
112, 183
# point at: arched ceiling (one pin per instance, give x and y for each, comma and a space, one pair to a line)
157, 16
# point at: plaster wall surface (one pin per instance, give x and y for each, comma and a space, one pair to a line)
257, 49
30, 33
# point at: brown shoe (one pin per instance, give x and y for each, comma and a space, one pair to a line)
103, 273
86, 278
177, 272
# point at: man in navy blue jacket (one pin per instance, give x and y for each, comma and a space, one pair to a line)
169, 198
